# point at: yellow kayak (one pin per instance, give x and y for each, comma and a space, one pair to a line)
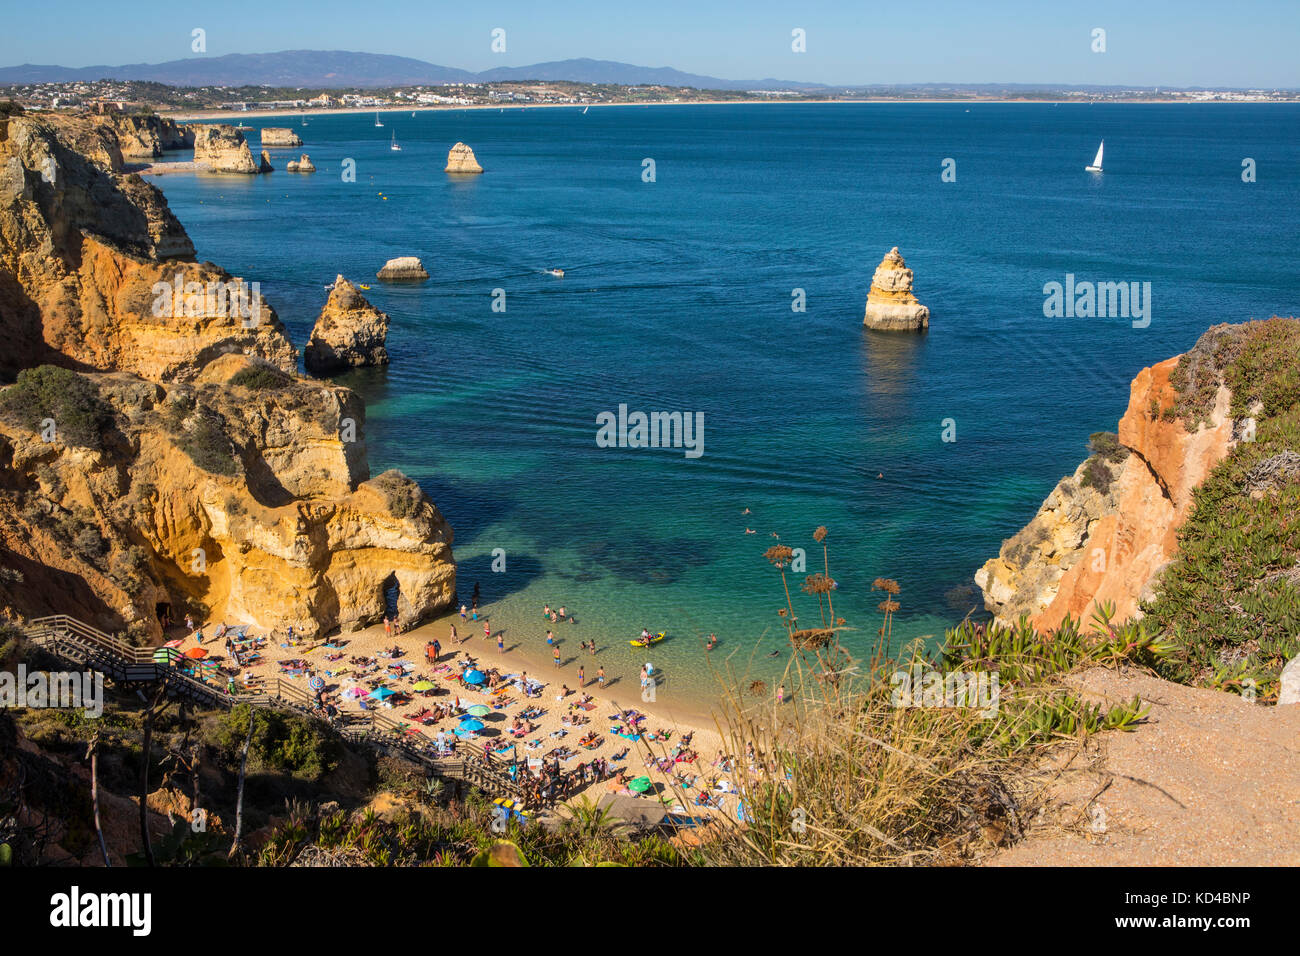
655, 639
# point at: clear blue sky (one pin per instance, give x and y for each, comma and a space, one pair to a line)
1244, 43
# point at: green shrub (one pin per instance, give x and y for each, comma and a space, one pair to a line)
80, 416
209, 448
1097, 474
1107, 446
260, 378
282, 742
404, 495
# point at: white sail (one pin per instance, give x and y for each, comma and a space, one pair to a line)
1096, 163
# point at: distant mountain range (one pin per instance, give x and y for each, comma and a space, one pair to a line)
332, 69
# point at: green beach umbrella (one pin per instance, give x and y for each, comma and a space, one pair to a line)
639, 785
423, 685
478, 710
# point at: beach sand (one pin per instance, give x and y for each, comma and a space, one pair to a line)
523, 653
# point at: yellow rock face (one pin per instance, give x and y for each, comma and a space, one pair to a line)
220, 481
460, 159
890, 302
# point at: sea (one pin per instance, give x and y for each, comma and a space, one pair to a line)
716, 263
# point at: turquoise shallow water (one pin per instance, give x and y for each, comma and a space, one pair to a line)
677, 297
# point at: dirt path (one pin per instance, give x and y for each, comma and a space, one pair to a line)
1210, 779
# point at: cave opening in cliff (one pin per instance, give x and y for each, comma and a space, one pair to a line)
392, 591
164, 612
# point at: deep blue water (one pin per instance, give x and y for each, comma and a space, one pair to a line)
677, 296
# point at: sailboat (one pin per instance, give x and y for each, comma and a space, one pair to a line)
584, 111
377, 123
393, 145
1096, 163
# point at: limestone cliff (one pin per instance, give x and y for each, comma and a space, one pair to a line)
460, 159
890, 303
222, 149
85, 257
1089, 543
277, 136
175, 458
350, 333
148, 136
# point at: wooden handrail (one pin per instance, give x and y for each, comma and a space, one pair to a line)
489, 774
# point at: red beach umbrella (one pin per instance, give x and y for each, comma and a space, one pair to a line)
196, 653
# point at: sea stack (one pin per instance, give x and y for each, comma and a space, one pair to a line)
302, 164
350, 333
890, 303
222, 149
460, 159
280, 136
265, 165
402, 269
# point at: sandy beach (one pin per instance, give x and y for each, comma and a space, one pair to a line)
363, 661
237, 116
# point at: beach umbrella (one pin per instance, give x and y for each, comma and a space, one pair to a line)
316, 683
424, 685
463, 731
471, 724
479, 710
195, 653
352, 693
165, 655
176, 643
473, 677
381, 693
639, 785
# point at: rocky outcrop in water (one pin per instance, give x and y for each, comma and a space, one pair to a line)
264, 166
222, 149
891, 306
350, 333
1087, 546
184, 462
302, 164
280, 136
403, 269
460, 159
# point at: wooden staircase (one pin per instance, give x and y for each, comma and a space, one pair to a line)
133, 668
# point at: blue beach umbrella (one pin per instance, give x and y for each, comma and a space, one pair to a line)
316, 683
471, 724
381, 693
473, 677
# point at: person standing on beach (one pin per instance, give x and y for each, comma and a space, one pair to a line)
451, 639
487, 631
462, 613
550, 638
556, 654
582, 677
780, 694
600, 677
501, 642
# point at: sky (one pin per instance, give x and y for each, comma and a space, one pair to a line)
1244, 43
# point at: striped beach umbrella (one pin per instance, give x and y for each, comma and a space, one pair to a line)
166, 655
316, 683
